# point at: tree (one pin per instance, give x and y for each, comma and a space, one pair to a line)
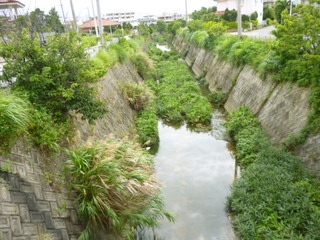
229, 15
162, 26
175, 25
279, 7
144, 29
254, 16
203, 13
53, 21
55, 76
268, 13
297, 45
195, 25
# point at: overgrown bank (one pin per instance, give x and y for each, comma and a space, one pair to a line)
276, 196
291, 57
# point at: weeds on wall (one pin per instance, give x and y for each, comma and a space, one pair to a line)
276, 196
116, 187
14, 118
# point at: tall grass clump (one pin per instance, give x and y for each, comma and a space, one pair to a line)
137, 94
143, 64
276, 196
14, 118
199, 38
116, 187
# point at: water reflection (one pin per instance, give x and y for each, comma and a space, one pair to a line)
196, 170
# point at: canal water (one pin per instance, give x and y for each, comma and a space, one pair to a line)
196, 170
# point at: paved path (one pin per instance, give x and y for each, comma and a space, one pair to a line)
260, 33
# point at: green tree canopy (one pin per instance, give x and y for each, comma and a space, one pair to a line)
230, 15
53, 21
56, 75
205, 14
297, 46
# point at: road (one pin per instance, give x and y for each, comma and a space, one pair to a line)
259, 33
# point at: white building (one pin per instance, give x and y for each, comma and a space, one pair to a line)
247, 6
169, 17
148, 19
122, 17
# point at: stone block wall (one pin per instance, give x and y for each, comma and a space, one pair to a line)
32, 206
282, 109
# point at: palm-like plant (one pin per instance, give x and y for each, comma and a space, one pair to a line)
116, 187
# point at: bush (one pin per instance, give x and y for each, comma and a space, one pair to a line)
147, 126
199, 38
143, 64
218, 98
45, 133
14, 118
276, 196
138, 95
116, 187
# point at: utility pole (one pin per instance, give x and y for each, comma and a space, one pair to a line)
239, 19
100, 22
74, 16
186, 10
64, 18
290, 7
95, 20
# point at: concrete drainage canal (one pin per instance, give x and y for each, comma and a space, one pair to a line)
196, 170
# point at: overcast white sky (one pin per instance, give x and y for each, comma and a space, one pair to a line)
140, 7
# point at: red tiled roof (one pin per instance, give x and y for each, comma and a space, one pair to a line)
90, 23
219, 12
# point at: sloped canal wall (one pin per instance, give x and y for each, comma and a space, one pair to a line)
32, 207
282, 108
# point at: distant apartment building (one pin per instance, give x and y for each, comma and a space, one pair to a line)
122, 17
247, 7
148, 19
169, 17
270, 3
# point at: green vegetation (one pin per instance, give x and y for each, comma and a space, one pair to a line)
55, 76
116, 187
218, 98
178, 98
293, 56
138, 95
276, 197
14, 118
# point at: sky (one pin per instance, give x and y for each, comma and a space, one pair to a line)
83, 8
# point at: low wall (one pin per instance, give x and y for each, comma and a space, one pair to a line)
32, 206
282, 109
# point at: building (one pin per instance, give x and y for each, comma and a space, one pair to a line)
148, 19
126, 17
169, 17
247, 7
89, 26
12, 6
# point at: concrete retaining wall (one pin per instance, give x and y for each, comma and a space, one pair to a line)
33, 203
283, 109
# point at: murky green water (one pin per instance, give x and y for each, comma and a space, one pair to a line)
196, 170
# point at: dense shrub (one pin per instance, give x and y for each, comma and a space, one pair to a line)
218, 98
147, 126
143, 64
276, 197
138, 95
116, 187
179, 97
